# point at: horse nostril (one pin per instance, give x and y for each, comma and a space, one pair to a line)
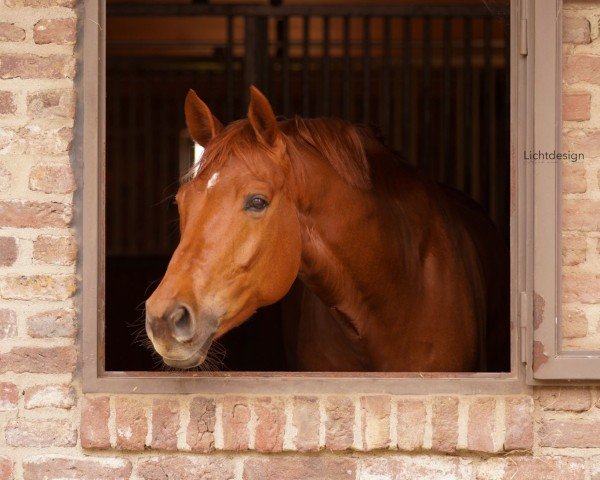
182, 325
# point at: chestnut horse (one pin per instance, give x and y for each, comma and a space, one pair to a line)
402, 274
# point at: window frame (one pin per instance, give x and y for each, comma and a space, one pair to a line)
528, 128
547, 362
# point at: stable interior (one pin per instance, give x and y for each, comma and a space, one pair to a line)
432, 77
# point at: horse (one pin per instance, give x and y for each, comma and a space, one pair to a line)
398, 273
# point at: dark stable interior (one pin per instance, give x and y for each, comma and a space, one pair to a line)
436, 86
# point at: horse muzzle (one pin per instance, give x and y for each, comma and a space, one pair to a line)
178, 337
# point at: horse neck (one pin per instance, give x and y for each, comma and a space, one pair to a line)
348, 239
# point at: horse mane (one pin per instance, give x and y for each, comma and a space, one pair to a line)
336, 140
339, 142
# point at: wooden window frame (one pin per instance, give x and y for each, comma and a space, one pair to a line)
535, 123
547, 361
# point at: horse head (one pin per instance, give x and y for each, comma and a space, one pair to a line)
240, 242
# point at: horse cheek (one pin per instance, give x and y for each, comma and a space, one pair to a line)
283, 264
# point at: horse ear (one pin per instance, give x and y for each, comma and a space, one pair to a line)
261, 117
201, 123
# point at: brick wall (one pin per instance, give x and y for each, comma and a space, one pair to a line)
49, 430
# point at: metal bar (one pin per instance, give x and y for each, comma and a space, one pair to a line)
285, 81
347, 77
152, 10
385, 105
366, 64
447, 94
250, 57
164, 122
406, 90
468, 107
504, 156
148, 210
130, 206
305, 65
326, 86
425, 150
115, 140
485, 156
229, 70
262, 53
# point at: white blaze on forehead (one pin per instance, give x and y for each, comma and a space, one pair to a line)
212, 181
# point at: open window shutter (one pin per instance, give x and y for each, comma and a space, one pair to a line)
541, 302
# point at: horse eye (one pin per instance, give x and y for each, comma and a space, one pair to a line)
256, 203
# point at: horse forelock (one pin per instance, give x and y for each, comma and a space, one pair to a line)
236, 141
337, 141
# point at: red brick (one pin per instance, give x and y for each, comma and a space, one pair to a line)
576, 106
53, 323
201, 429
444, 424
411, 424
39, 360
339, 426
55, 103
581, 287
59, 467
595, 468
165, 424
95, 412
6, 468
415, 468
519, 424
306, 419
299, 468
571, 399
11, 143
57, 30
8, 251
35, 214
8, 323
40, 433
9, 32
538, 468
574, 323
46, 141
40, 3
186, 468
581, 68
576, 30
52, 178
482, 416
8, 105
236, 416
38, 287
574, 246
570, 433
580, 141
28, 65
270, 424
54, 396
35, 140
55, 250
5, 179
132, 424
573, 176
376, 411
9, 396
581, 214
